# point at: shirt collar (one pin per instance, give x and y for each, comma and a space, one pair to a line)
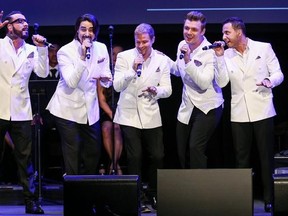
57, 71
9, 41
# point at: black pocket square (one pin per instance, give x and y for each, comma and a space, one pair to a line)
258, 57
100, 60
31, 55
197, 63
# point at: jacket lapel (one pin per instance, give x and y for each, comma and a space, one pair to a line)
27, 57
152, 68
253, 56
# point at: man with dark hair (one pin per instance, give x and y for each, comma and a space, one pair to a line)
82, 63
17, 61
253, 70
202, 101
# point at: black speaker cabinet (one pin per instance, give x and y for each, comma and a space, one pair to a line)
101, 195
281, 161
205, 192
281, 194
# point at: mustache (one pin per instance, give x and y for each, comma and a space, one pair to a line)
86, 37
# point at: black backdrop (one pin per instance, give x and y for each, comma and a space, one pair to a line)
112, 12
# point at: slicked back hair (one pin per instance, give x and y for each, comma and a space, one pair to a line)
145, 28
196, 16
236, 23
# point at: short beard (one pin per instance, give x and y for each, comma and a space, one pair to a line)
14, 34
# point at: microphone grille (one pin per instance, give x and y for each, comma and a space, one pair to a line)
222, 43
36, 25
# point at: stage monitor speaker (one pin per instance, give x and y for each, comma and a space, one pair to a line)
205, 192
280, 194
101, 195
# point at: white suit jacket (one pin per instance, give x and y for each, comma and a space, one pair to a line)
199, 86
133, 110
15, 71
249, 102
75, 98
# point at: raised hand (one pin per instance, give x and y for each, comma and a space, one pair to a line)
2, 24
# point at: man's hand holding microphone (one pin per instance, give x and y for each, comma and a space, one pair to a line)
39, 40
137, 66
185, 53
218, 48
86, 45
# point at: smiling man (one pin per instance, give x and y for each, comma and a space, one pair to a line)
142, 76
82, 63
201, 107
253, 70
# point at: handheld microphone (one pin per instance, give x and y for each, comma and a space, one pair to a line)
214, 45
88, 54
182, 54
139, 70
48, 44
36, 27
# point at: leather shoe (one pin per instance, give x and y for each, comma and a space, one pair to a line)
32, 207
154, 203
268, 207
145, 209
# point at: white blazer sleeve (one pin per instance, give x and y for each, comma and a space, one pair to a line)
221, 72
124, 74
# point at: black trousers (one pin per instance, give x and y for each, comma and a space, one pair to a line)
192, 139
263, 134
20, 132
140, 143
81, 146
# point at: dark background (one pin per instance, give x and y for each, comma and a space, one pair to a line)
112, 12
263, 24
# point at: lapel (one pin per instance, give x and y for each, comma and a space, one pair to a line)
26, 59
17, 61
149, 71
94, 62
234, 64
253, 56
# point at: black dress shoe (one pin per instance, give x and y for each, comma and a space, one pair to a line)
267, 207
32, 207
154, 203
145, 209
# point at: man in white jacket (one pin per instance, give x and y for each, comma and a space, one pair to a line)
201, 107
83, 62
17, 61
142, 75
253, 70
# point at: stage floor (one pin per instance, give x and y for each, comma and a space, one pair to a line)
11, 201
51, 209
